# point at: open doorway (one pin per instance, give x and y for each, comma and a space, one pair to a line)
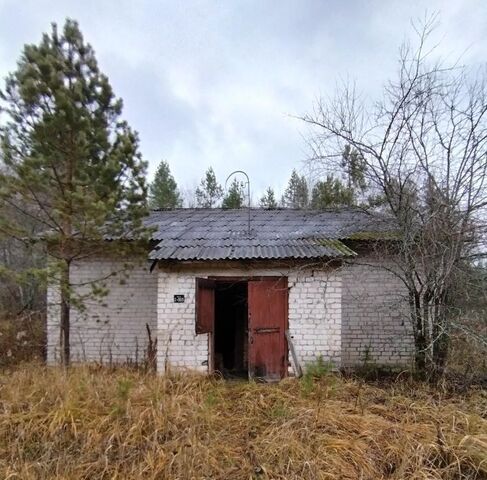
230, 349
246, 319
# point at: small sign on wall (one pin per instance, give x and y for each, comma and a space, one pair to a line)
178, 298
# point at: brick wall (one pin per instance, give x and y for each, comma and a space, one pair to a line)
178, 346
343, 314
314, 313
112, 328
375, 321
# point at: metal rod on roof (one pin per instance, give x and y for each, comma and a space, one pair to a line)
248, 193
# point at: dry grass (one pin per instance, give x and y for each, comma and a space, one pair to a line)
22, 337
93, 423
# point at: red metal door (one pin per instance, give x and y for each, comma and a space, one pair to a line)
268, 306
205, 305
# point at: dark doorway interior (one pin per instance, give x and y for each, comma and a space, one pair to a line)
231, 324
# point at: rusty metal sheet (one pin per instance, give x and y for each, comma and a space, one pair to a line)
268, 307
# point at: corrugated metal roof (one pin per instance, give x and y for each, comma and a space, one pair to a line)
217, 234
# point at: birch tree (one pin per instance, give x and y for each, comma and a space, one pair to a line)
423, 146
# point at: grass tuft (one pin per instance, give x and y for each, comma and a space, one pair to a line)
123, 424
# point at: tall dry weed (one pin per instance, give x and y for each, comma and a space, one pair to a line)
90, 423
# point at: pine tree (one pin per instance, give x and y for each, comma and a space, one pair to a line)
268, 200
71, 162
235, 196
334, 192
164, 192
331, 193
296, 194
209, 193
354, 166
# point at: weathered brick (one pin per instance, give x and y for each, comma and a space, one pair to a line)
115, 332
339, 313
375, 322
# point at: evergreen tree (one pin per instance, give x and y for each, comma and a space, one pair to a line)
354, 166
235, 196
331, 193
164, 192
268, 200
296, 194
209, 193
71, 162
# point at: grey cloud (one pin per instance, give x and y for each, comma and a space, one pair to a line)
216, 83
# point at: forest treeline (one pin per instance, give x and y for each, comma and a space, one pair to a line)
344, 188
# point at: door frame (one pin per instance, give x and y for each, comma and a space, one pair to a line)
211, 336
247, 279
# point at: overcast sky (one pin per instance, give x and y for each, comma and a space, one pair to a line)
219, 82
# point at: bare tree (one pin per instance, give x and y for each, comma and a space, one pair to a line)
424, 148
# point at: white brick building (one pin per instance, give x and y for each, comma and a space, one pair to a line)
218, 296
